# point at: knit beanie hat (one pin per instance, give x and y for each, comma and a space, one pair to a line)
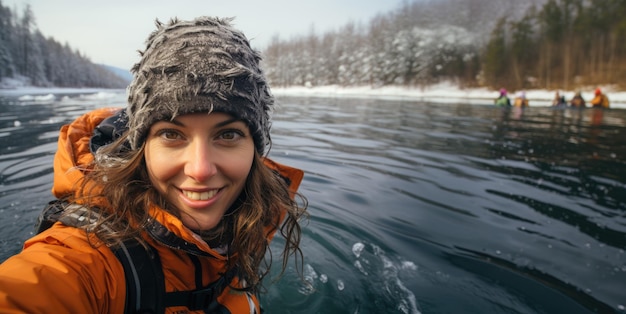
203, 65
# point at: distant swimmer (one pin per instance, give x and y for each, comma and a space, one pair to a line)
503, 100
520, 100
577, 101
600, 100
559, 101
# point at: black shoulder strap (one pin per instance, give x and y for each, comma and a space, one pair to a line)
48, 216
202, 299
145, 282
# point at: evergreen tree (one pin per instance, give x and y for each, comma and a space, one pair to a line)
7, 68
523, 52
495, 57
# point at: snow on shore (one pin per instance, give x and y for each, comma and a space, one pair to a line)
444, 93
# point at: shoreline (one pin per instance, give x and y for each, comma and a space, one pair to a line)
444, 93
441, 93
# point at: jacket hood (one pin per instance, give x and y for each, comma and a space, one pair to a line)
73, 155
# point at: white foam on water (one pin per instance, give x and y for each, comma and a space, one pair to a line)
98, 95
340, 285
389, 271
408, 265
310, 276
357, 248
37, 98
323, 278
358, 266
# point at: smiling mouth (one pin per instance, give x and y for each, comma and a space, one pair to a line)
200, 196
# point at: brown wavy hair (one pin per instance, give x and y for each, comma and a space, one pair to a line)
119, 179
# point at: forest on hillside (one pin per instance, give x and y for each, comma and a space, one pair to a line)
25, 54
549, 44
554, 44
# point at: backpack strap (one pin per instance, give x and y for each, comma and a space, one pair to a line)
48, 216
145, 282
202, 299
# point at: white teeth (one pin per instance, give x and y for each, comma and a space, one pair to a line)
200, 196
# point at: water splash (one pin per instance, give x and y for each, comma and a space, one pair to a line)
360, 267
357, 248
340, 285
388, 271
310, 276
378, 270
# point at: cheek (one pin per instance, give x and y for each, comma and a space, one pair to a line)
239, 168
160, 167
237, 164
245, 170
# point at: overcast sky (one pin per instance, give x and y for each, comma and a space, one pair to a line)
112, 31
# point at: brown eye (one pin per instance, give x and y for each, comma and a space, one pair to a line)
230, 135
169, 134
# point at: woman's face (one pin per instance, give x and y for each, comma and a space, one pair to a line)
200, 163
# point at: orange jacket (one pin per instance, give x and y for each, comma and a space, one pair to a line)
600, 101
520, 102
58, 271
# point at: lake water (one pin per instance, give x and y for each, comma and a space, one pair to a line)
415, 207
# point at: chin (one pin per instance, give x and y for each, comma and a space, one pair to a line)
196, 224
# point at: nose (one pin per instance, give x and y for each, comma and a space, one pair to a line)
199, 163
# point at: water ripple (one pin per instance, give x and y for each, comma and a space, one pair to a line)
415, 207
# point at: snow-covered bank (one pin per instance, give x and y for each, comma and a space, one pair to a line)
447, 93
37, 92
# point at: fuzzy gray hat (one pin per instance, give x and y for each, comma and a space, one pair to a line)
194, 66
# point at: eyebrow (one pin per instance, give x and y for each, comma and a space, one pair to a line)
229, 121
219, 125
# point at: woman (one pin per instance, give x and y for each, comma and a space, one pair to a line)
520, 100
577, 101
181, 172
503, 100
558, 101
600, 100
